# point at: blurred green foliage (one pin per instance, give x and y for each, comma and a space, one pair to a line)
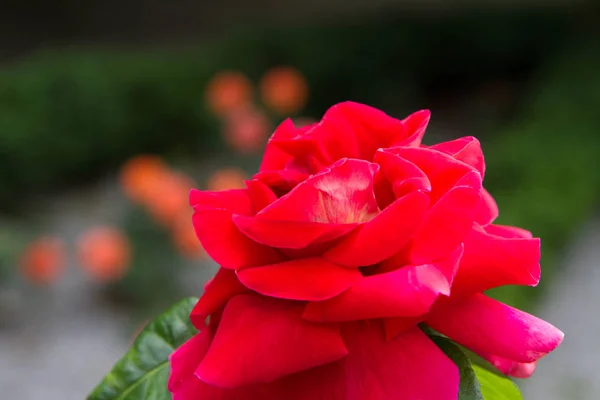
69, 116
544, 170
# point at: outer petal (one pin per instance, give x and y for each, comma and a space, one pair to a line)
508, 232
511, 368
260, 195
335, 136
491, 261
274, 157
447, 265
406, 292
194, 388
309, 279
186, 358
488, 210
355, 130
397, 325
488, 326
408, 367
384, 235
235, 200
299, 344
445, 225
226, 244
217, 292
416, 124
466, 149
185, 385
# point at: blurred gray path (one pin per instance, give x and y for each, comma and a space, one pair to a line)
573, 304
57, 343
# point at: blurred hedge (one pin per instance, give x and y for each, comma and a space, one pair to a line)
65, 117
544, 170
69, 116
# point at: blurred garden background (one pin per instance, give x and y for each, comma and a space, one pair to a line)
110, 111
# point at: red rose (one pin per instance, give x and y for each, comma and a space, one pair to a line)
351, 234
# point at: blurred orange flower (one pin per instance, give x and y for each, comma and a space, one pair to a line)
246, 130
104, 253
228, 91
43, 260
140, 176
227, 178
184, 237
284, 90
170, 198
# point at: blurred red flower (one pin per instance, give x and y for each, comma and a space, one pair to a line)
43, 260
170, 198
226, 178
140, 176
284, 90
104, 253
227, 91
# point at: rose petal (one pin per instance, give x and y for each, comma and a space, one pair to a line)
491, 261
397, 325
282, 181
384, 235
466, 149
341, 194
275, 158
509, 367
298, 344
194, 388
355, 130
409, 367
217, 292
185, 385
508, 232
186, 358
447, 265
443, 171
222, 240
309, 279
485, 325
335, 136
235, 200
488, 210
289, 234
406, 292
260, 195
446, 225
416, 124
403, 175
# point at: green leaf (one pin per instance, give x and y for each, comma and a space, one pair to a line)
496, 387
144, 370
469, 386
